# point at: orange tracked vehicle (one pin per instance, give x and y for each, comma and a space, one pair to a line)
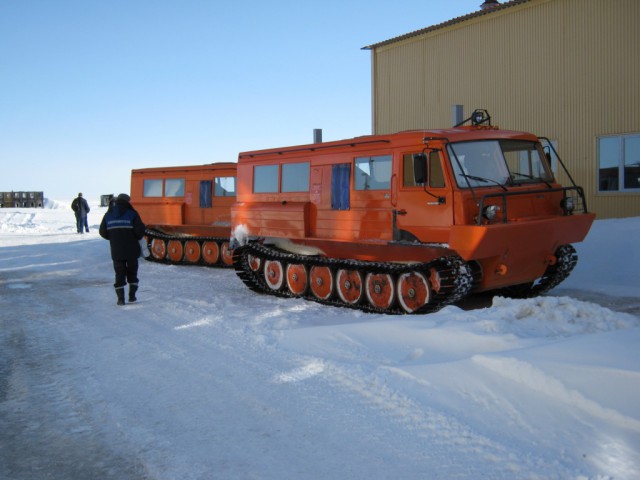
407, 222
187, 211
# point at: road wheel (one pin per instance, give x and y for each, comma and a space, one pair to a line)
380, 290
158, 249
273, 274
226, 254
210, 253
349, 286
321, 282
192, 251
413, 291
297, 278
175, 251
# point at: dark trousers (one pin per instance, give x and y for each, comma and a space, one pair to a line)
126, 272
82, 223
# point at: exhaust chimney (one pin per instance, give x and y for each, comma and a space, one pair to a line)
457, 114
489, 4
317, 135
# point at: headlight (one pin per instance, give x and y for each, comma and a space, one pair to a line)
568, 204
490, 212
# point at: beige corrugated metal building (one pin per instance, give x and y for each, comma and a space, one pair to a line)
565, 69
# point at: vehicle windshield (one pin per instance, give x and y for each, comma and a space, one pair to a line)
498, 162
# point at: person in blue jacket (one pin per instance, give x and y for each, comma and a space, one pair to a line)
123, 227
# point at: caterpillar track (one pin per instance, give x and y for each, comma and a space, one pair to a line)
183, 249
378, 287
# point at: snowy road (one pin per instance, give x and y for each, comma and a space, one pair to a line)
94, 391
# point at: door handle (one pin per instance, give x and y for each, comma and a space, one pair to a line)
402, 212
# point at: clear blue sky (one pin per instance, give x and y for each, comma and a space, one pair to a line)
90, 89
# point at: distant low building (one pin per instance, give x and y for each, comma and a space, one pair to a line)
105, 200
21, 199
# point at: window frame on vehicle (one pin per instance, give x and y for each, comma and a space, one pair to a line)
150, 187
220, 190
383, 161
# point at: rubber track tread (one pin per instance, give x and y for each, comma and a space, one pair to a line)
151, 234
455, 278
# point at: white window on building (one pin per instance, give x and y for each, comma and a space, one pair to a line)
619, 163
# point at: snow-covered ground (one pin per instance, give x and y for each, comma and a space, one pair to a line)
204, 379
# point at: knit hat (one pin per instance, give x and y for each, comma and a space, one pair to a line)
123, 198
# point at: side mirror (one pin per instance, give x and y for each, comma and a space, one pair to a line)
420, 168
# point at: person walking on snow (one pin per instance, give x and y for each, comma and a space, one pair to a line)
81, 208
123, 227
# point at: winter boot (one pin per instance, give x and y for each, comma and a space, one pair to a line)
120, 294
133, 288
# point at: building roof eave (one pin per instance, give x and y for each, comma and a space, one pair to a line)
446, 24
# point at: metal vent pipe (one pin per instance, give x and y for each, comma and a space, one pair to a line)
457, 114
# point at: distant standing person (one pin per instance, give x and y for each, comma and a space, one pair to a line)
81, 208
123, 227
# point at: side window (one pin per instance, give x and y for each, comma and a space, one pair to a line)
436, 175
152, 188
408, 178
551, 152
295, 177
340, 185
205, 193
265, 179
225, 186
174, 187
373, 173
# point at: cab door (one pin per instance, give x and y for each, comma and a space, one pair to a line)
423, 211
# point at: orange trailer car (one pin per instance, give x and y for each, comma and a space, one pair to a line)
407, 222
187, 211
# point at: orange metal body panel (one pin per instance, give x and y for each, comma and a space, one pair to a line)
288, 220
524, 248
183, 214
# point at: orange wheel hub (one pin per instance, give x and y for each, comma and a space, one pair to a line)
226, 254
175, 250
380, 290
413, 291
158, 249
434, 280
297, 278
273, 274
192, 251
210, 252
254, 263
321, 282
349, 286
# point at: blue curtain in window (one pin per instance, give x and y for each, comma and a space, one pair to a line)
205, 193
340, 181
